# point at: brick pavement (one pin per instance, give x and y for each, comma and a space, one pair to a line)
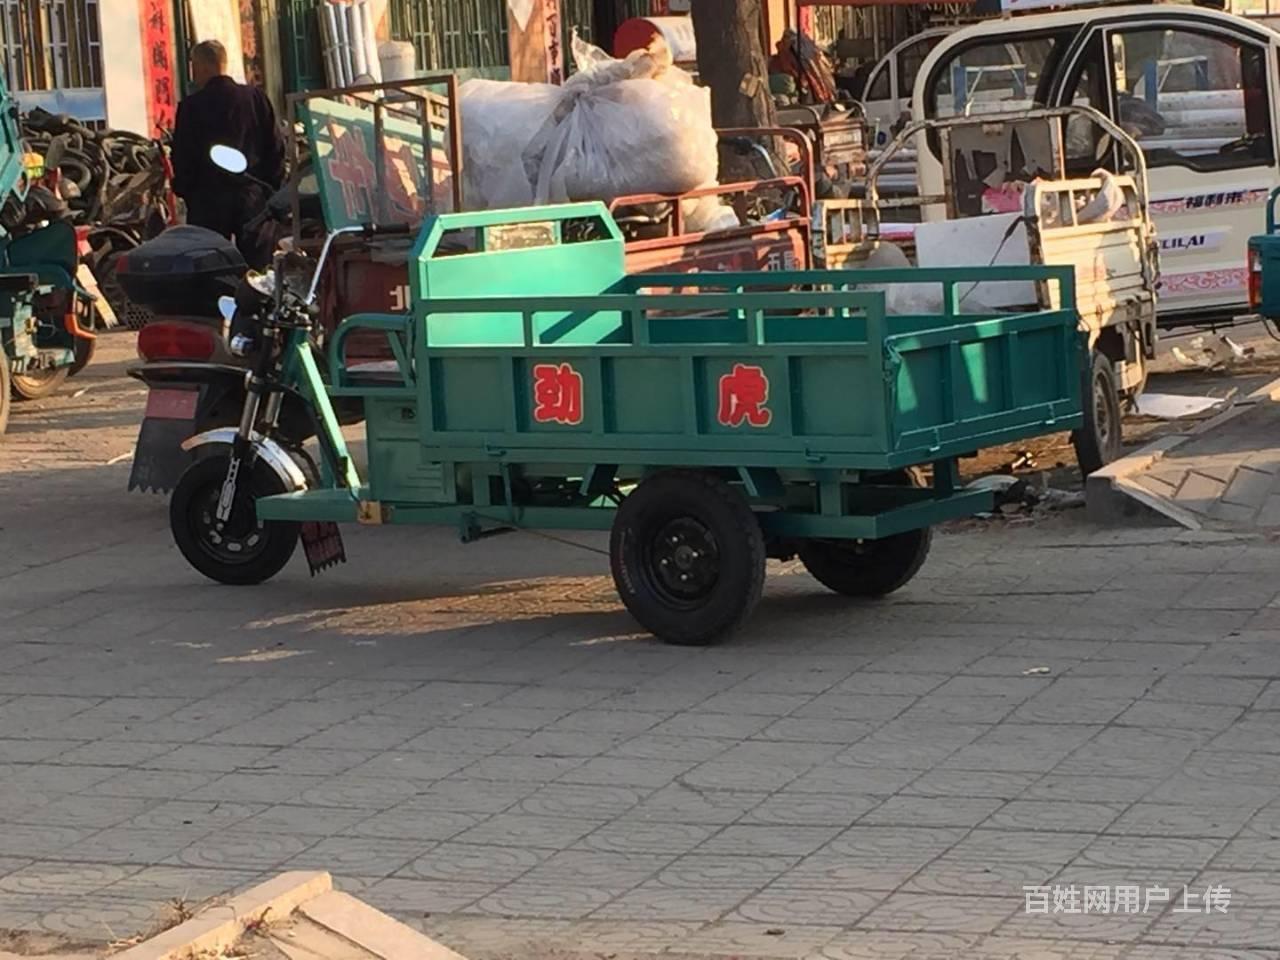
477, 740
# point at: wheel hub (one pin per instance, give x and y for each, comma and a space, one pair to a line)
685, 560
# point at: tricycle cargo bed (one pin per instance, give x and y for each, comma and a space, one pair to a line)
539, 351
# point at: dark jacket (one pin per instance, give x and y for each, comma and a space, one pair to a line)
235, 115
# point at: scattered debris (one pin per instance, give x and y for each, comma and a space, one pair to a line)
1211, 354
1172, 406
122, 458
1035, 671
1020, 498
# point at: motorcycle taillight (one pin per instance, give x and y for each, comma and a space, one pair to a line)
175, 341
1255, 280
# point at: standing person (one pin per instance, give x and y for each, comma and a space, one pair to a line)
222, 111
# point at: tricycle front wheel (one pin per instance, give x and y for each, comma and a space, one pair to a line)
242, 550
36, 386
688, 557
867, 568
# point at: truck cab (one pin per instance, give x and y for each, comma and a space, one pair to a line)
887, 95
1197, 88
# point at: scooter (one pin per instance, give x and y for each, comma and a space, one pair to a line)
188, 278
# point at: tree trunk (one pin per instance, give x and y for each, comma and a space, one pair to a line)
732, 63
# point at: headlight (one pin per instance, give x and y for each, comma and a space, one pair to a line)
263, 283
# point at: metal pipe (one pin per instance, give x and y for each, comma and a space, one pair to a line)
355, 26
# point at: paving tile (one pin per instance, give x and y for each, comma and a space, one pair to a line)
612, 871
475, 863
949, 876
100, 918
811, 809
744, 938
783, 906
1182, 820
359, 856
627, 835
417, 898
626, 772
83, 811
897, 945
411, 820
576, 800
683, 804
653, 901
933, 812
927, 912
519, 828
235, 850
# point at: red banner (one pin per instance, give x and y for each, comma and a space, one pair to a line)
157, 64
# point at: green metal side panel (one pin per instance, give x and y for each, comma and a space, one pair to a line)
793, 371
12, 175
517, 253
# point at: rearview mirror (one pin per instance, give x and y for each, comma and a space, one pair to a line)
227, 307
228, 158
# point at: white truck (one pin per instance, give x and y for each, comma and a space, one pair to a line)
1006, 197
1197, 88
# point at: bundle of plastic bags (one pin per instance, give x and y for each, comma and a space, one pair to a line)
616, 127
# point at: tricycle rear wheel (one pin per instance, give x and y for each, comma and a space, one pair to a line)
244, 550
688, 557
867, 568
1100, 440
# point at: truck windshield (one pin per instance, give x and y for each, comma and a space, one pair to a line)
991, 73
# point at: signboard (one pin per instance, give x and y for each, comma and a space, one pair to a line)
157, 64
366, 179
219, 20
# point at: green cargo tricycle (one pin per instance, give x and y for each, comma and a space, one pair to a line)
710, 421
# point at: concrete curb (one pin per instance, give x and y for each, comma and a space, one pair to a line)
222, 925
373, 930
1111, 498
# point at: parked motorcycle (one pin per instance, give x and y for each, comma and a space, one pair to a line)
188, 278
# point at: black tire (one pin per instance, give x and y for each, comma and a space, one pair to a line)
85, 349
688, 557
1101, 438
245, 550
867, 568
38, 385
5, 401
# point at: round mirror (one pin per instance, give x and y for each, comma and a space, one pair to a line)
228, 158
227, 307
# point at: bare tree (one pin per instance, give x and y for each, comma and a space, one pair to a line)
731, 62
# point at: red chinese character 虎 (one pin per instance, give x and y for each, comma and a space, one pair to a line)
743, 394
557, 394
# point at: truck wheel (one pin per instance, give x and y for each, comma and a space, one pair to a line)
242, 551
688, 557
5, 401
1099, 441
35, 386
867, 568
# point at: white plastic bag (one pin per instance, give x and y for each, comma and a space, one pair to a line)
638, 125
616, 127
498, 121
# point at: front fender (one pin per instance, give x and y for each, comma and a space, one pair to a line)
267, 450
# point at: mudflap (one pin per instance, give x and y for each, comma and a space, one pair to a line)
322, 543
158, 458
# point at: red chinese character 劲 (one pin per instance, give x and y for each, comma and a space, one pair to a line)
743, 395
557, 394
